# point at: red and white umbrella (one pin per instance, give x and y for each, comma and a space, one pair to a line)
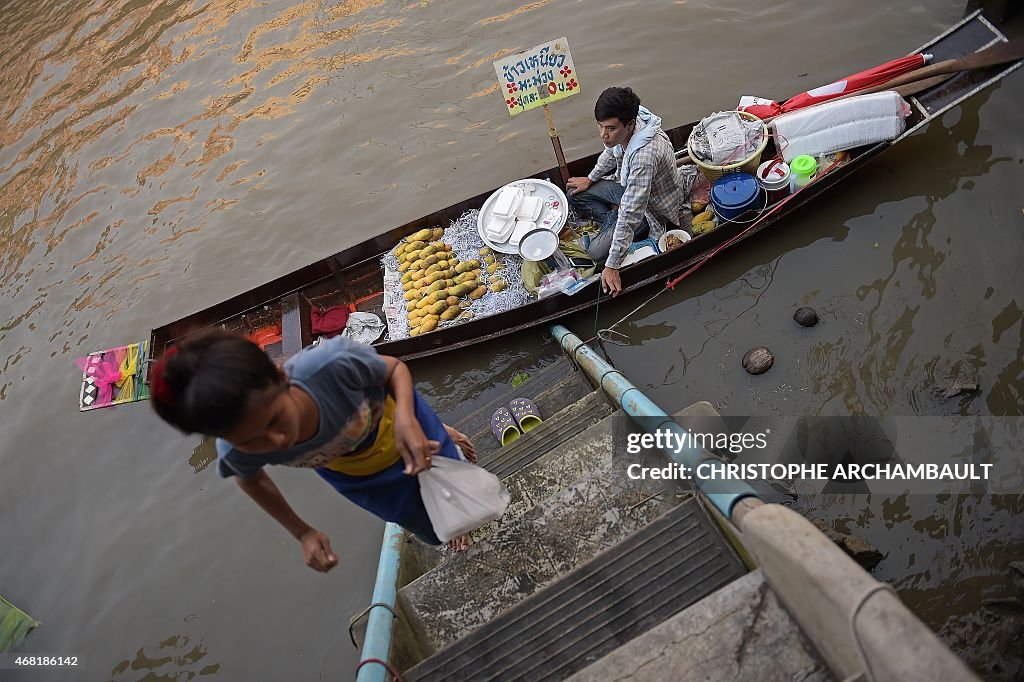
858, 81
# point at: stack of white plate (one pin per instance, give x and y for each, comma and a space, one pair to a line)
517, 209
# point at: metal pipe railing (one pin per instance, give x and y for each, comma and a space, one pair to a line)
377, 644
720, 490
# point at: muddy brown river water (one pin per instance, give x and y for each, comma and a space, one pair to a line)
158, 157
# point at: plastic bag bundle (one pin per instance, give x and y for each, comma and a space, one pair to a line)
460, 497
725, 137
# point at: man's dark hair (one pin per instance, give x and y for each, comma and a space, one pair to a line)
203, 384
620, 103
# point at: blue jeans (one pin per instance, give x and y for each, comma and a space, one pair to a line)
597, 204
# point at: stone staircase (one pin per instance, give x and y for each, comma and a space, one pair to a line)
584, 561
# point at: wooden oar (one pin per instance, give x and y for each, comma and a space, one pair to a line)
929, 76
997, 54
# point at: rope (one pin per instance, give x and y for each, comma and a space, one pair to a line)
387, 666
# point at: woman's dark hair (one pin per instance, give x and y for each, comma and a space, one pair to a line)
203, 384
620, 103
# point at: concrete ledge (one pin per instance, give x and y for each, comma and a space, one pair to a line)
738, 633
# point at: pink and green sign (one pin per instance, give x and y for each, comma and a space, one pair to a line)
539, 76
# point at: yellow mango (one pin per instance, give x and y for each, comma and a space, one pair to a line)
409, 286
403, 267
493, 268
436, 286
437, 233
703, 217
420, 235
438, 308
400, 250
428, 250
451, 313
411, 306
429, 324
433, 268
407, 277
464, 266
489, 259
486, 251
429, 299
415, 331
452, 300
497, 285
478, 292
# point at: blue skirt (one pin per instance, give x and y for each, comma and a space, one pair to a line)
391, 494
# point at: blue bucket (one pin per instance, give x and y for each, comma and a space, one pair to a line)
734, 194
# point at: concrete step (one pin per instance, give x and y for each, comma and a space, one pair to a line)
655, 568
534, 467
529, 552
552, 389
740, 632
550, 436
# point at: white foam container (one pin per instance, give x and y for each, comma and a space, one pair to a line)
840, 124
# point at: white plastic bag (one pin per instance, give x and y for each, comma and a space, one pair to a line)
460, 497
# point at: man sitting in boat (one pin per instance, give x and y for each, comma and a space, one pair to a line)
644, 194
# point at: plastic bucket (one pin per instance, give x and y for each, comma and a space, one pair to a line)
774, 178
734, 194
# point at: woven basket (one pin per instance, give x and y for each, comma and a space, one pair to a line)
748, 165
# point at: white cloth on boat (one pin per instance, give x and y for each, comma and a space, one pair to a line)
363, 327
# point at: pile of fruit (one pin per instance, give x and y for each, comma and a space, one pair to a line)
703, 218
438, 286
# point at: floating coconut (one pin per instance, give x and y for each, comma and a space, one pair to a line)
806, 317
758, 360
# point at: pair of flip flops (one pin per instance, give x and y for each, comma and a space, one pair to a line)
508, 423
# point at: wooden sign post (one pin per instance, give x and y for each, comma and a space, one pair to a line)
536, 78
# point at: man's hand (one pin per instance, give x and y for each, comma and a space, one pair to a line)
316, 549
611, 282
577, 185
414, 447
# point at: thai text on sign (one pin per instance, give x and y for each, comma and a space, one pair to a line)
536, 77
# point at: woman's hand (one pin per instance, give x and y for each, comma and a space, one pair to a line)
412, 444
316, 549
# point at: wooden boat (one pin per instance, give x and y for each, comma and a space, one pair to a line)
354, 275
